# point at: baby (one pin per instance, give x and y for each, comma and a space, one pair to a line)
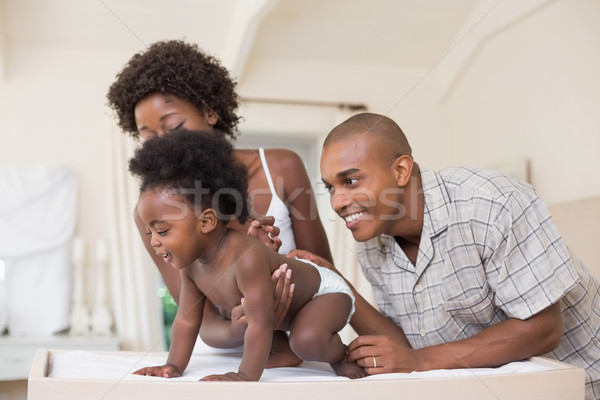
191, 187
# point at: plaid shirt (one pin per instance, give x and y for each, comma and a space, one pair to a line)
488, 251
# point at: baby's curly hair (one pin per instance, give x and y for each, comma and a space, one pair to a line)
192, 163
176, 68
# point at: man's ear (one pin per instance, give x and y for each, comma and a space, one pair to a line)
402, 168
211, 117
207, 220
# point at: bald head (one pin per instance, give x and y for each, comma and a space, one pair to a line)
374, 128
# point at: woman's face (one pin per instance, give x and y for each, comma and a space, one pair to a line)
157, 114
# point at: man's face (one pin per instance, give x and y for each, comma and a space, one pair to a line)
360, 177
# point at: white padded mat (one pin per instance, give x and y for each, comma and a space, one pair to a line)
82, 364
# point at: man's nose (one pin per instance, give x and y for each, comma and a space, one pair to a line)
340, 199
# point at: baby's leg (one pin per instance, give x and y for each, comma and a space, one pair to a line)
313, 334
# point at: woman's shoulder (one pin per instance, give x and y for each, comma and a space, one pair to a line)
283, 160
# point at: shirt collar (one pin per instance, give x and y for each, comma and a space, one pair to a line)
436, 211
437, 200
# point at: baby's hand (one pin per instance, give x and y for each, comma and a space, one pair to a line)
165, 371
230, 376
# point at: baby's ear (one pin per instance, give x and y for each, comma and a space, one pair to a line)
403, 166
207, 220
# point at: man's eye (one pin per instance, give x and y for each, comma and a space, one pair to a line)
329, 188
351, 181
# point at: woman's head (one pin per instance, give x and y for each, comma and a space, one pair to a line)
196, 166
175, 70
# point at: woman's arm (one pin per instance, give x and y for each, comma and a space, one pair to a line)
287, 167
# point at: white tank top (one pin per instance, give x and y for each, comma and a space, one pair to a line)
278, 210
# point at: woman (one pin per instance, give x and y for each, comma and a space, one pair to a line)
174, 85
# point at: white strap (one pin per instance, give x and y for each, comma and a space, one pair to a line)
263, 160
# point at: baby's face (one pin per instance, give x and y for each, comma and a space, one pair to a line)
362, 186
172, 225
157, 114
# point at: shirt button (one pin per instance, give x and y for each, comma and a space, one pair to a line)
422, 332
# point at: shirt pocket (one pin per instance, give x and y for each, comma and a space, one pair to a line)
478, 309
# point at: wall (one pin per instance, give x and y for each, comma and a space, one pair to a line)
531, 89
52, 111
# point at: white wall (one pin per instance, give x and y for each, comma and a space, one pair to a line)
531, 89
52, 111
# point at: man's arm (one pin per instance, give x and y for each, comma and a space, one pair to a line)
507, 341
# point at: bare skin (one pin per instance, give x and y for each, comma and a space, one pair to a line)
226, 266
156, 115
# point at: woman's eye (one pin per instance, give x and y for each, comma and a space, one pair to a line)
176, 127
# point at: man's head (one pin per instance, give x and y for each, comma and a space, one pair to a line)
367, 165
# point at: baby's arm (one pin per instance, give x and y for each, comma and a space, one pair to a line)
254, 282
183, 332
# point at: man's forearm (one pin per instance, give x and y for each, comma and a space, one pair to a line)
507, 341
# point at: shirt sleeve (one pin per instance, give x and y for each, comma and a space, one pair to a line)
526, 258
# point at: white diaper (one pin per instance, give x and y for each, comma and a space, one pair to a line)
331, 283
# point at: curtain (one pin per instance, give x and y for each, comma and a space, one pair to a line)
134, 281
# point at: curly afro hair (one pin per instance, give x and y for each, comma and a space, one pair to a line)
199, 165
180, 69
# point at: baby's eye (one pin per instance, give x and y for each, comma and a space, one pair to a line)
162, 233
148, 232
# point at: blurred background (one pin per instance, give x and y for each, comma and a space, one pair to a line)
511, 85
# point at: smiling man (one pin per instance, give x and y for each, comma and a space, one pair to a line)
466, 263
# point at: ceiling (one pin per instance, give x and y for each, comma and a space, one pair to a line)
389, 32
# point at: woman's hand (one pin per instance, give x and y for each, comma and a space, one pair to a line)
165, 371
264, 230
282, 296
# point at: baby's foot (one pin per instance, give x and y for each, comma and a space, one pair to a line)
281, 354
348, 369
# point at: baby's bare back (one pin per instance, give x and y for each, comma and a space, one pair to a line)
219, 283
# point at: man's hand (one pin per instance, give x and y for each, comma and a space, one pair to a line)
264, 230
379, 354
307, 255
